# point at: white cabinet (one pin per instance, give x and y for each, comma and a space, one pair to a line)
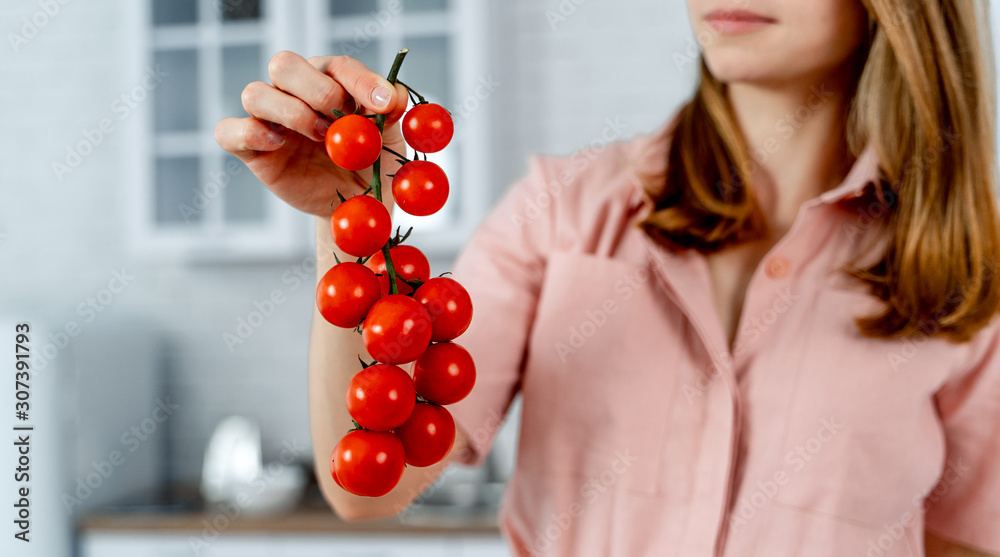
155, 544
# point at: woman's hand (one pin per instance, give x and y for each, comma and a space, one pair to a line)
282, 141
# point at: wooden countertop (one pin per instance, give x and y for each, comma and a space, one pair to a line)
311, 516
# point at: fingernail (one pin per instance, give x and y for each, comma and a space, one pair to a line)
321, 127
275, 138
381, 96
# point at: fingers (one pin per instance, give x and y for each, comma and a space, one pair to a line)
360, 83
264, 102
302, 98
399, 107
291, 73
243, 136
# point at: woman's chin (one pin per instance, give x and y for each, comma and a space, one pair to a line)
743, 70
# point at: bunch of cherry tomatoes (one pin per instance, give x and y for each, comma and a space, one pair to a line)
402, 314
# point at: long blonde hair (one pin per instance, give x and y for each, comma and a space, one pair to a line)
925, 79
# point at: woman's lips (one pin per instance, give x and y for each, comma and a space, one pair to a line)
736, 22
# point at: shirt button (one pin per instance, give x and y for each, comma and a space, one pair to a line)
777, 267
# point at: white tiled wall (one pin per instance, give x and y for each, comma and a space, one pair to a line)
60, 241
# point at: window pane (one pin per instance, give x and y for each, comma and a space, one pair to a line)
240, 66
352, 7
174, 12
239, 10
428, 68
176, 99
245, 195
425, 5
365, 51
178, 195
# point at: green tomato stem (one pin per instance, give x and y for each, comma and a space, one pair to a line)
377, 169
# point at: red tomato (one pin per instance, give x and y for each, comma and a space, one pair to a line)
381, 397
428, 435
449, 305
396, 330
420, 188
428, 127
345, 294
409, 262
444, 373
353, 142
361, 225
333, 466
369, 463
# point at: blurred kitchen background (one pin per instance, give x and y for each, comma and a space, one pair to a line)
168, 292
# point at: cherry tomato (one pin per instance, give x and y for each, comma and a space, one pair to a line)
361, 225
369, 463
420, 188
449, 305
345, 294
409, 262
353, 142
428, 127
396, 330
333, 466
428, 435
381, 397
444, 373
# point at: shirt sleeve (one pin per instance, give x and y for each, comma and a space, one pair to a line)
502, 267
965, 505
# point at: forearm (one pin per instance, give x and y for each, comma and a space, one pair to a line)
333, 361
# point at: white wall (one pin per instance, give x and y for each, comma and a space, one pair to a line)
568, 66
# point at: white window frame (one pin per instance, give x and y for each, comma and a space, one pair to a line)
296, 25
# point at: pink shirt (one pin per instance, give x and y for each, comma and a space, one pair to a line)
642, 434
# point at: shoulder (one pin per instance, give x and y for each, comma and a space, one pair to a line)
982, 353
581, 189
605, 159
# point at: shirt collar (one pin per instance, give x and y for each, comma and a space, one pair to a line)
863, 173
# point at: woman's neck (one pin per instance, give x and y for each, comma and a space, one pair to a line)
795, 135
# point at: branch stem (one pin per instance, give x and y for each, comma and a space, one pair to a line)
377, 169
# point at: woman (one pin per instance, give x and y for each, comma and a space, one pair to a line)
765, 329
